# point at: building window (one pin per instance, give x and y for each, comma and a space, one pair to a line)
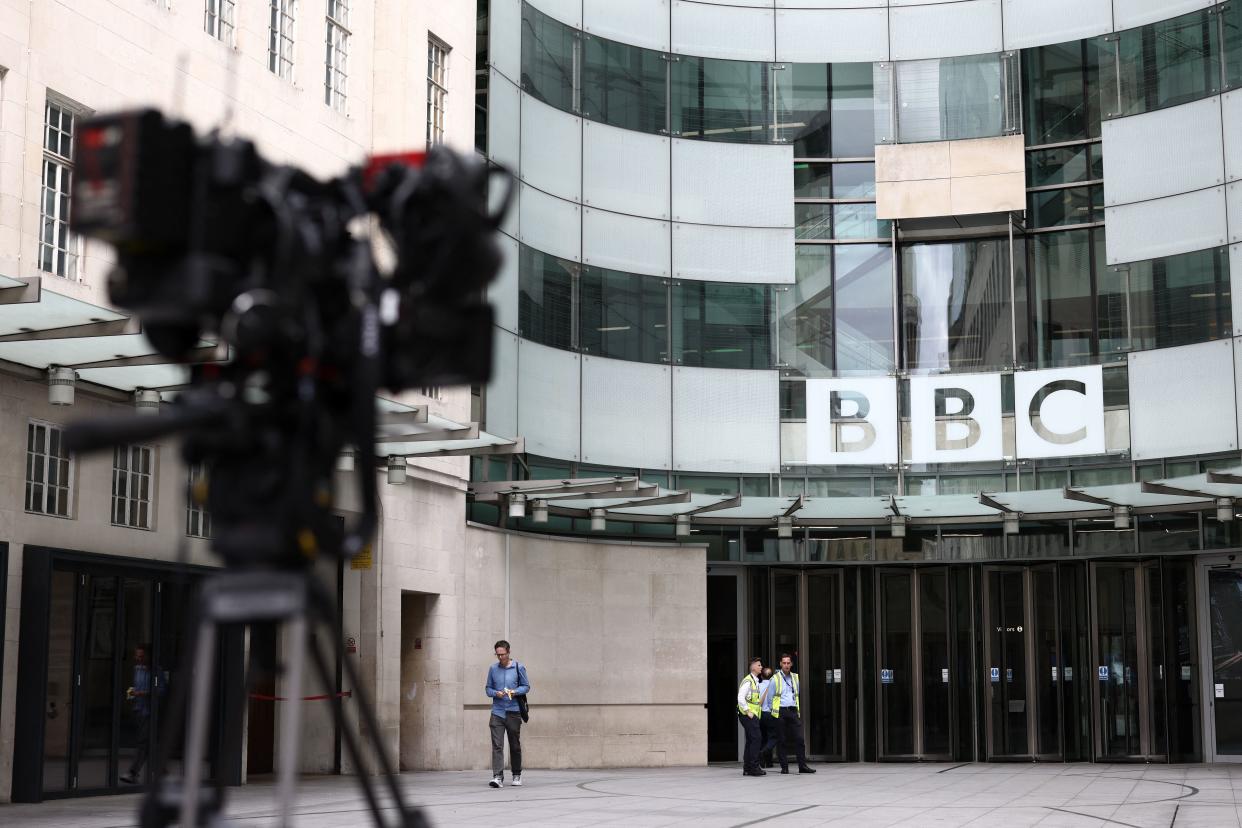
132, 473
431, 391
58, 247
336, 66
197, 518
47, 470
280, 38
218, 19
437, 89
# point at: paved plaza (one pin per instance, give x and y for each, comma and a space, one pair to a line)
1006, 795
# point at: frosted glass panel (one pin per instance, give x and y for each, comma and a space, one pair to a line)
745, 185
625, 171
1164, 226
733, 254
1231, 115
504, 119
548, 386
1235, 284
726, 420
503, 291
832, 35
568, 12
1130, 13
971, 27
504, 51
1041, 22
551, 149
501, 412
627, 243
627, 413
709, 30
550, 224
636, 22
1182, 400
1165, 152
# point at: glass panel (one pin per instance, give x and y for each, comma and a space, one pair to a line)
863, 291
858, 221
722, 325
1180, 300
793, 399
98, 693
812, 180
720, 100
805, 329
545, 298
1006, 671
896, 679
785, 627
722, 667
1054, 208
138, 679
839, 487
956, 299
1164, 64
853, 124
813, 221
950, 98
934, 646
623, 315
756, 487
1063, 306
623, 85
802, 108
825, 666
1061, 92
700, 484
1168, 532
1231, 26
1049, 666
1062, 165
1117, 643
59, 681
1158, 743
548, 48
1225, 623
853, 181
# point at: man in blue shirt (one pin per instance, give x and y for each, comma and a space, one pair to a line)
767, 724
139, 696
506, 680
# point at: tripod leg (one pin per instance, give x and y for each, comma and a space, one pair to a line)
291, 719
200, 708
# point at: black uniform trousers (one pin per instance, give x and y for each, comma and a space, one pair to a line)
789, 730
754, 741
767, 726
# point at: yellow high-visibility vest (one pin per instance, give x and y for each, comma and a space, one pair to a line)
778, 679
753, 701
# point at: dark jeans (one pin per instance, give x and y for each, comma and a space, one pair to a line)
789, 728
511, 724
143, 743
767, 726
754, 737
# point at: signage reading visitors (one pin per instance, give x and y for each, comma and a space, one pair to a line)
1103, 672
955, 418
886, 676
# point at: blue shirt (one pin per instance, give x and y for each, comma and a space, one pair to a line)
498, 678
787, 689
142, 684
764, 687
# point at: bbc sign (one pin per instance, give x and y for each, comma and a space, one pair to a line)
955, 418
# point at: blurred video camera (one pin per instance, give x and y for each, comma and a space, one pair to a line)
214, 243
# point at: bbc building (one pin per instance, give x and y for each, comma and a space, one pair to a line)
897, 336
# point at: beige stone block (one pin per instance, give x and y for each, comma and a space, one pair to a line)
678, 590
913, 199
912, 162
988, 193
626, 589
987, 156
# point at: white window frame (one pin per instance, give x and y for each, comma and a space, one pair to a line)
58, 245
129, 510
38, 463
336, 56
437, 88
197, 516
280, 44
219, 20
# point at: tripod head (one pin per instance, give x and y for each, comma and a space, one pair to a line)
213, 241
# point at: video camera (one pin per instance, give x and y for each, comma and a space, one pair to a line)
214, 242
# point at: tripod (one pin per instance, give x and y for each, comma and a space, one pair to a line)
297, 600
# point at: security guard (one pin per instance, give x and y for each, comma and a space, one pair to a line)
749, 701
786, 709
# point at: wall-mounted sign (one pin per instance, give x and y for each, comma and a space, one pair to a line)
1103, 672
886, 676
955, 418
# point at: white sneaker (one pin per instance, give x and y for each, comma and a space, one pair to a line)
517, 780
497, 782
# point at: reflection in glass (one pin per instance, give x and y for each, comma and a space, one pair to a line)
1061, 165
1062, 91
1225, 625
896, 664
98, 689
545, 298
721, 100
853, 180
624, 86
956, 313
805, 328
59, 681
1231, 28
1063, 305
1053, 208
802, 114
1179, 300
549, 56
722, 325
853, 125
1168, 532
623, 316
950, 98
1162, 64
813, 220
858, 221
863, 292
812, 180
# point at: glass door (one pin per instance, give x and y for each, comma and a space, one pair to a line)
1129, 662
1223, 692
895, 644
823, 695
